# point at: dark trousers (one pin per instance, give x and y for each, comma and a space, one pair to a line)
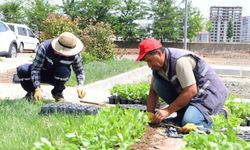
56, 77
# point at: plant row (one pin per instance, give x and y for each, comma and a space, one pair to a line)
129, 93
111, 128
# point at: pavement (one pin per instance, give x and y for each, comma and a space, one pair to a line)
97, 91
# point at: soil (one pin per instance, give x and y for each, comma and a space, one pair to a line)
155, 138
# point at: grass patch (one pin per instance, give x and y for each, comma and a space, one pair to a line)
21, 127
99, 70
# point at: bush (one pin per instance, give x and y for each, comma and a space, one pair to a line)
55, 24
87, 57
98, 41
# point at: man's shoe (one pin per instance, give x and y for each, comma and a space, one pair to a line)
29, 96
58, 97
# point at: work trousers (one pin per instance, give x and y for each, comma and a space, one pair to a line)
56, 77
188, 114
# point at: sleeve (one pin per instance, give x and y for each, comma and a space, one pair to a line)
184, 71
37, 66
79, 69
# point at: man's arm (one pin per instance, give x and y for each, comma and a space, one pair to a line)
37, 66
152, 98
79, 69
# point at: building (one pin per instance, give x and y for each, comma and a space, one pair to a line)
245, 31
220, 18
202, 37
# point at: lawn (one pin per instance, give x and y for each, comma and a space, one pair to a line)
22, 126
99, 70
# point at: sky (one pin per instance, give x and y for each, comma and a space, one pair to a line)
204, 5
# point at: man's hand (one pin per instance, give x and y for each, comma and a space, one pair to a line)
161, 115
38, 93
80, 91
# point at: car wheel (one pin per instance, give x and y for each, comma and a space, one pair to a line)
21, 48
12, 51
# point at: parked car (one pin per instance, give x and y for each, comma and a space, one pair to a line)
8, 46
26, 39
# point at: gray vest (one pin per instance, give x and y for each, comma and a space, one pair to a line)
211, 90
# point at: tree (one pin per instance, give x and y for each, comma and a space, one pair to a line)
12, 12
124, 22
166, 20
71, 8
94, 11
37, 11
230, 30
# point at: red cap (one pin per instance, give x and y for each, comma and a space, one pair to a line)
146, 46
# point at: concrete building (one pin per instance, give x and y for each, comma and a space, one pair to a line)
220, 17
202, 37
245, 32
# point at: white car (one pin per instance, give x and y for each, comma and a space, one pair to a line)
8, 46
26, 40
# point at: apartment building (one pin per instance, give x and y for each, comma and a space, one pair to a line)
245, 32
220, 16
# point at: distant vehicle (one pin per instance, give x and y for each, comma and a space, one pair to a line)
8, 46
26, 39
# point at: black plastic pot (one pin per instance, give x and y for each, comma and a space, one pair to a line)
112, 99
137, 101
248, 121
117, 100
123, 101
130, 101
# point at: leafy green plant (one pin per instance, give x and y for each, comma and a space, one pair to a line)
110, 128
88, 57
222, 136
239, 109
137, 91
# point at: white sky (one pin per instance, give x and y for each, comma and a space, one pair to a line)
204, 5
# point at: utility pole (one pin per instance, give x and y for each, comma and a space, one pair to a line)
185, 25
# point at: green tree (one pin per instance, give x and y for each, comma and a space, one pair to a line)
165, 20
230, 30
94, 11
208, 25
37, 11
124, 22
12, 12
71, 8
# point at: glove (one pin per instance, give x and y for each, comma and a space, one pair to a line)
80, 91
151, 116
38, 93
188, 127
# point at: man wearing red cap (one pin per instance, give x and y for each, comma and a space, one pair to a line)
184, 81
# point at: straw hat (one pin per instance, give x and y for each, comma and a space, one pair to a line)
67, 44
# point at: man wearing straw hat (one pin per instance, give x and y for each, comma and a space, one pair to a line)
52, 63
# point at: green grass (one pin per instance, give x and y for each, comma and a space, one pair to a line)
21, 126
97, 70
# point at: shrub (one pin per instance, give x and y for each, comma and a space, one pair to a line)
98, 41
55, 24
87, 57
